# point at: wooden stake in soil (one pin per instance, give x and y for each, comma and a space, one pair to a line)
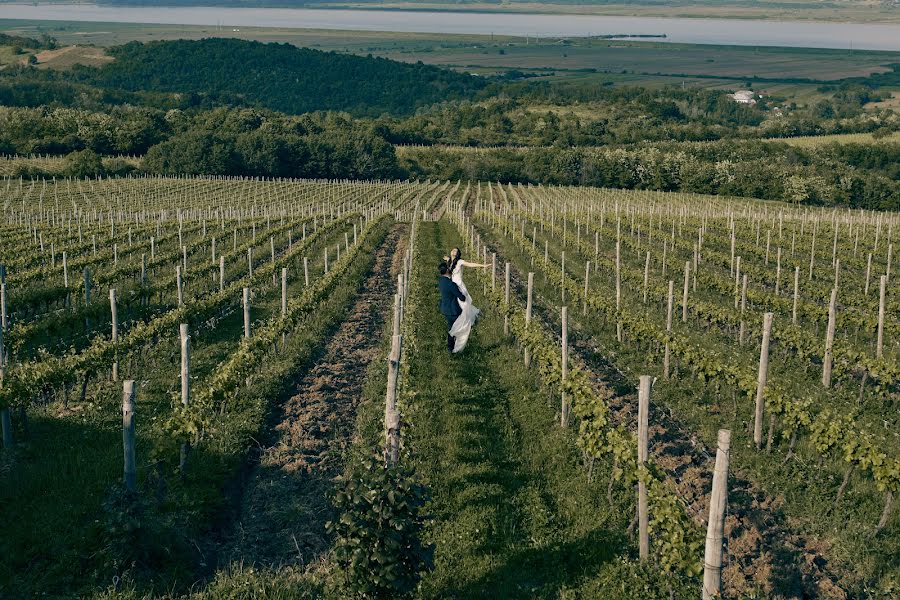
396, 323
796, 294
221, 273
761, 379
684, 300
868, 274
306, 271
528, 308
129, 470
185, 337
564, 416
829, 341
179, 284
284, 288
115, 331
562, 278
882, 298
506, 302
587, 274
246, 304
4, 322
642, 449
743, 309
391, 414
712, 558
618, 291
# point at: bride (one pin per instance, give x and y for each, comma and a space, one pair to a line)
462, 327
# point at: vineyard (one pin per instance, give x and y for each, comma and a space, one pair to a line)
232, 387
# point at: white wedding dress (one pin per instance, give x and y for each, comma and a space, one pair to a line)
462, 327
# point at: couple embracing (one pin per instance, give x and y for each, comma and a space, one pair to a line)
456, 302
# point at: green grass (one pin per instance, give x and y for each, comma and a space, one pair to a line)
515, 515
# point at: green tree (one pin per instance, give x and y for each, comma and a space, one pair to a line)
84, 163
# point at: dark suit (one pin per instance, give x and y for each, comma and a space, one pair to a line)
449, 306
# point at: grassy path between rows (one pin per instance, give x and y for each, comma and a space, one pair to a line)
514, 513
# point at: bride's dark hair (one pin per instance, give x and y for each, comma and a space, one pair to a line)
455, 260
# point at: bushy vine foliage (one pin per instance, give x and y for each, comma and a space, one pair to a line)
378, 544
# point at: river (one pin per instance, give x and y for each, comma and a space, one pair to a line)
742, 32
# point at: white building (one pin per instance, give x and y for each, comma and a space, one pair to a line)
744, 97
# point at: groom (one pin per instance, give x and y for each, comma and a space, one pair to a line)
449, 306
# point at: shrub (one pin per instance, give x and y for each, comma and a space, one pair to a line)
378, 547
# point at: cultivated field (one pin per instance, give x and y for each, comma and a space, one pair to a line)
248, 322
621, 62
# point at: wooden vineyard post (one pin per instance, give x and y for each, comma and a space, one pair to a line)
829, 341
618, 292
506, 303
391, 414
396, 324
2, 352
761, 379
668, 353
250, 262
284, 287
562, 278
284, 303
868, 274
306, 271
528, 308
796, 294
743, 309
715, 529
115, 331
564, 416
2, 331
3, 312
179, 285
129, 470
684, 298
882, 297
185, 383
221, 273
246, 305
587, 274
642, 449
887, 271
5, 419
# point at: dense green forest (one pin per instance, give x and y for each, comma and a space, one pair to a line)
217, 71
291, 112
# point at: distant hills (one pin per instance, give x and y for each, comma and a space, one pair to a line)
280, 77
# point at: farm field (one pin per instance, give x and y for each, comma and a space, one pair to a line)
778, 324
594, 60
